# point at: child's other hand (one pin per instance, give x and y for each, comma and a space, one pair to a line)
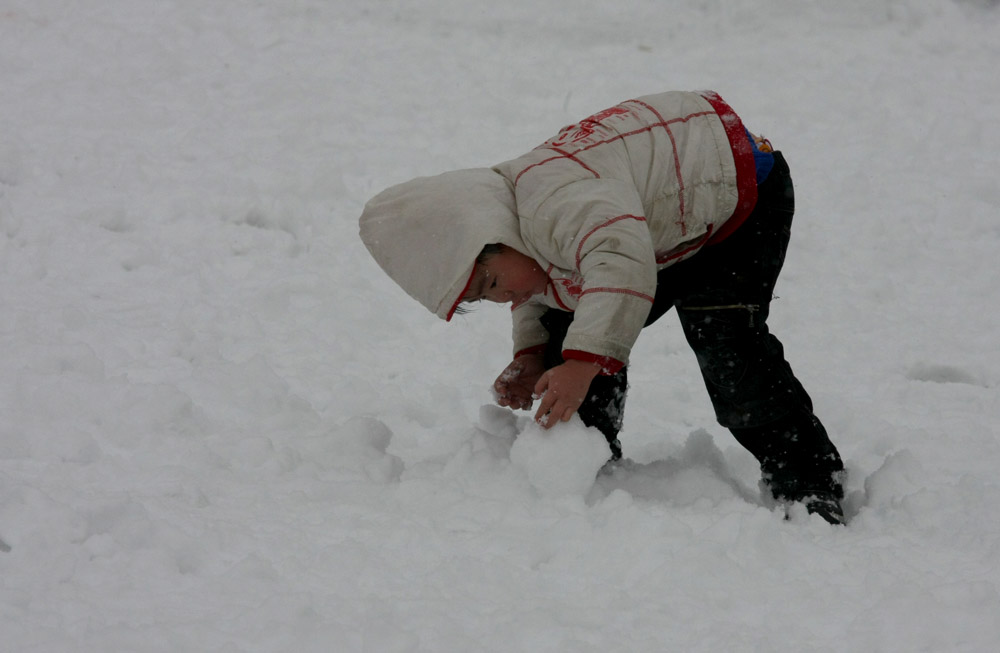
515, 385
564, 387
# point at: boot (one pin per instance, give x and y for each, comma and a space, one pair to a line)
799, 463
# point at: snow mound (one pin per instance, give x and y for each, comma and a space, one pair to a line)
695, 474
366, 439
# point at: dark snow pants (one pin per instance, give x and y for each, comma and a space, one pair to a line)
722, 296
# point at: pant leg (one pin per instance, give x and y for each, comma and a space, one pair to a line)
605, 403
722, 297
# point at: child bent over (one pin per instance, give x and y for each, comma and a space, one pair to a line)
664, 201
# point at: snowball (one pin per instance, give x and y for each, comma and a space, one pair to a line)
563, 460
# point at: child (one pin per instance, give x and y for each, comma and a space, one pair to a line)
661, 201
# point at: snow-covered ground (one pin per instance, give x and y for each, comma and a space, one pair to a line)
223, 429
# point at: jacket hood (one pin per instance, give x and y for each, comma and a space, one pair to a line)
426, 233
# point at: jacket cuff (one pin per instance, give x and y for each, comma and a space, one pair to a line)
530, 351
609, 366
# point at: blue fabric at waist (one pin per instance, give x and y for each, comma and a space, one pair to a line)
764, 161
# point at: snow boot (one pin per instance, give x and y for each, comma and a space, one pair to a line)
828, 507
798, 463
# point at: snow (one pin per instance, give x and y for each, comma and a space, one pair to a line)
222, 428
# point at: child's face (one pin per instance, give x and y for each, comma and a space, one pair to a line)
509, 276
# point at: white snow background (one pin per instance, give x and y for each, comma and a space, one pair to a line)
222, 428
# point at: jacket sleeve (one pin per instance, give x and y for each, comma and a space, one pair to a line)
597, 228
529, 334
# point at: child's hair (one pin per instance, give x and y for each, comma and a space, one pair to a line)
488, 252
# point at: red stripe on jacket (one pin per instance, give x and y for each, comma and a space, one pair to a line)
606, 223
563, 154
746, 169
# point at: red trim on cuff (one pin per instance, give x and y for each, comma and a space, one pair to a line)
609, 365
746, 169
530, 351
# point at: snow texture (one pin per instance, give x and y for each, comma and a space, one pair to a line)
222, 428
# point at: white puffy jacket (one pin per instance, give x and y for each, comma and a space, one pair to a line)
601, 206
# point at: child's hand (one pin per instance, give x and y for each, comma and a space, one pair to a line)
515, 385
565, 388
